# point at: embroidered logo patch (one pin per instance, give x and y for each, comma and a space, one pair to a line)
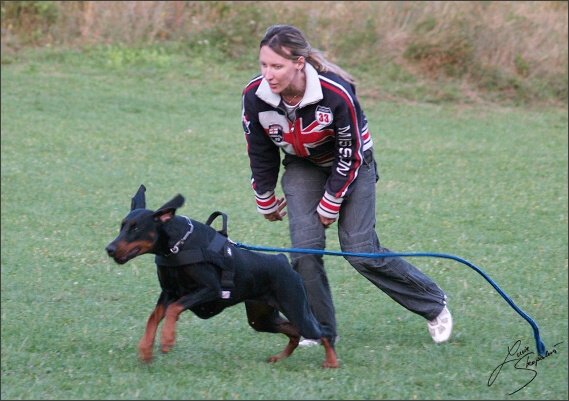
324, 115
276, 133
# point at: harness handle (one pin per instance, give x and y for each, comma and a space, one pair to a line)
213, 216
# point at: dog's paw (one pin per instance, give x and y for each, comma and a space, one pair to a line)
165, 348
167, 344
330, 365
145, 356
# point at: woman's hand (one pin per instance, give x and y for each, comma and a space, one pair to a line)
277, 215
326, 221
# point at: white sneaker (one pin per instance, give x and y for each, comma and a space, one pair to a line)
307, 342
441, 327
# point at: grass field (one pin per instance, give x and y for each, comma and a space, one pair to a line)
81, 132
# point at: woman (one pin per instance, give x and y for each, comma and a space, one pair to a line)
306, 107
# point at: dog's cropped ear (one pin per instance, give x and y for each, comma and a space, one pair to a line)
168, 210
139, 200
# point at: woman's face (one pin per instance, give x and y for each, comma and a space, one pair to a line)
279, 72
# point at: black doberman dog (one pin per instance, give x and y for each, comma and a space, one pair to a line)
200, 269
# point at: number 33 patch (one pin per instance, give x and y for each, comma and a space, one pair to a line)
324, 115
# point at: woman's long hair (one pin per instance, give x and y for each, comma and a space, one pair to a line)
289, 42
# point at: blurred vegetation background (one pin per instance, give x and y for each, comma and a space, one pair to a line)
457, 51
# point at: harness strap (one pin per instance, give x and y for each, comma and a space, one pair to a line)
217, 243
221, 241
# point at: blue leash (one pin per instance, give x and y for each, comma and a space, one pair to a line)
539, 344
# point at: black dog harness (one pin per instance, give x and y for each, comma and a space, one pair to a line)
219, 252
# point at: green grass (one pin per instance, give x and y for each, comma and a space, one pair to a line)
81, 132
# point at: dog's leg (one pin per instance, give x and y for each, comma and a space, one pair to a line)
173, 311
331, 359
293, 334
169, 329
265, 318
147, 341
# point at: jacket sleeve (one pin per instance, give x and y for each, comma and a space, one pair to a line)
264, 156
350, 130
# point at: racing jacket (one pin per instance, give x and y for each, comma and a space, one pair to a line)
330, 130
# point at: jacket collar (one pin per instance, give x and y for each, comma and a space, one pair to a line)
313, 93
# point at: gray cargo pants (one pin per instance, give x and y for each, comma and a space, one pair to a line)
303, 186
